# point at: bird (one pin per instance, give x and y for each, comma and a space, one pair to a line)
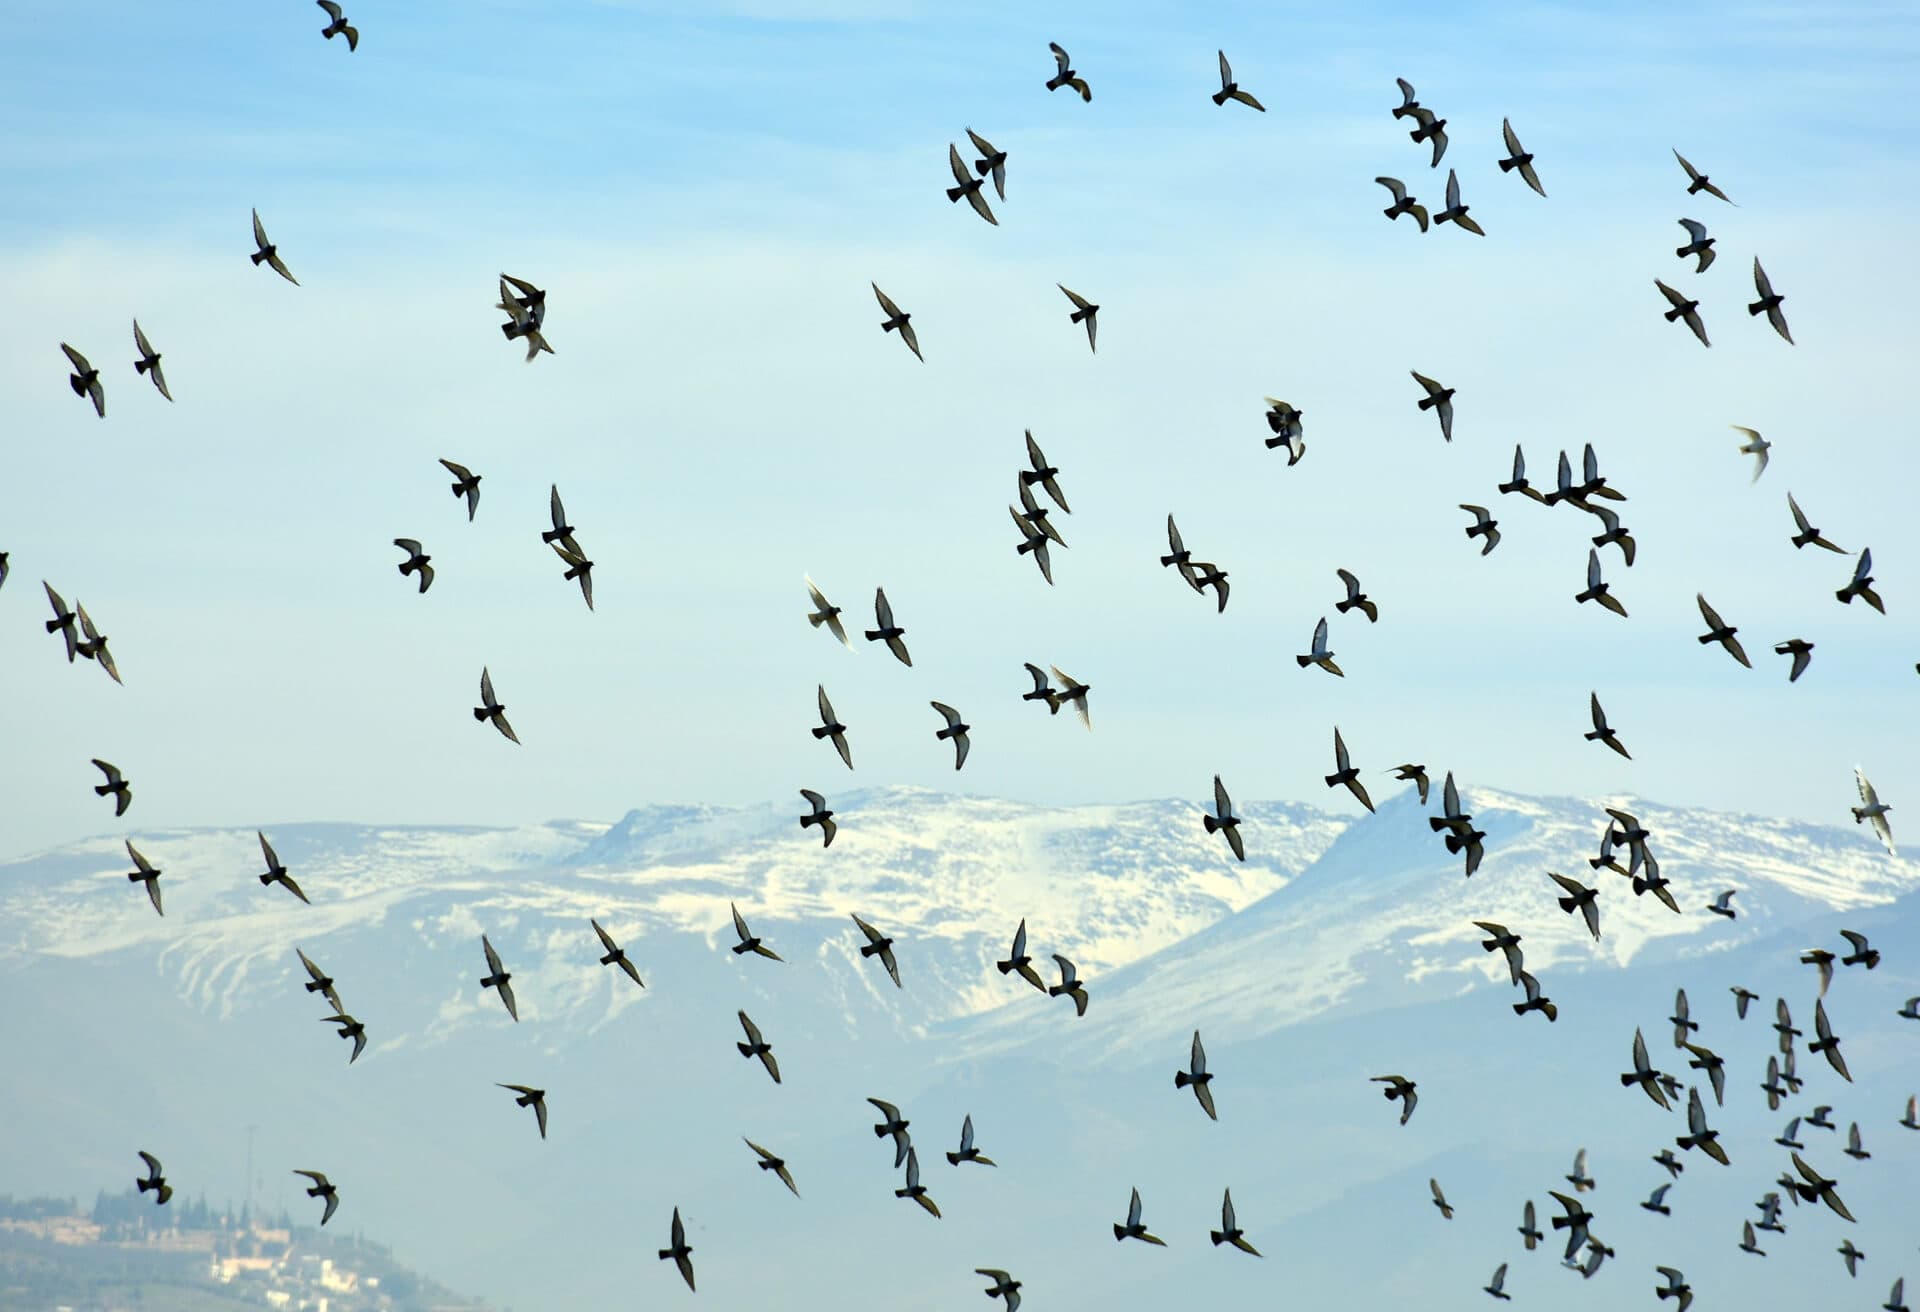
1430, 129
1033, 539
1770, 1213
1862, 954
1672, 1164
1484, 526
1083, 312
1224, 820
1402, 202
62, 621
1814, 1187
991, 162
680, 1252
1517, 158
94, 646
1283, 419
1827, 1042
1896, 1297
1683, 309
1597, 589
149, 361
1910, 1010
968, 1153
1498, 1285
1529, 1227
1581, 898
749, 942
898, 319
1802, 653
1676, 1287
349, 1029
820, 815
497, 977
154, 1180
1505, 941
1698, 181
1757, 447
829, 727
827, 614
1134, 1228
1018, 960
1536, 1000
268, 253
1808, 536
1822, 960
1644, 1075
1345, 773
1850, 1255
1601, 732
1198, 1076
524, 319
1860, 585
1741, 996
1723, 906
1698, 1135
1046, 475
578, 567
956, 730
1230, 90
1656, 1201
1417, 774
1455, 212
1769, 302
1318, 654
1853, 1148
756, 1046
85, 381
1181, 558
339, 26
1518, 483
969, 186
1773, 1088
116, 784
615, 954
1705, 1059
1040, 517
466, 484
1783, 1025
1700, 244
1042, 689
1749, 1243
275, 872
878, 945
145, 872
1682, 1018
1438, 399
322, 1188
490, 707
1872, 809
1072, 690
888, 632
319, 981
1399, 1086
1439, 1198
1004, 1286
778, 1165
1718, 630
1069, 985
1613, 532
894, 1125
1355, 597
1230, 1231
561, 532
1065, 76
527, 297
1407, 102
1573, 1219
1912, 1118
416, 562
1208, 575
534, 1098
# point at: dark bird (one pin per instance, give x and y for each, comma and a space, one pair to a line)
749, 942
561, 532
1417, 774
154, 1181
1402, 202
1518, 483
1723, 906
1504, 940
1850, 1255
895, 1125
490, 707
1208, 575
1518, 158
85, 381
524, 317
1004, 1286
1911, 1120
1910, 1009
1853, 1148
1536, 1000
1773, 1088
878, 945
615, 955
1601, 732
1438, 399
497, 977
1657, 1201
534, 1098
1644, 1075
116, 784
888, 632
826, 613
968, 1153
1033, 540
94, 645
1700, 245
1783, 1025
1741, 996
1682, 1018
1698, 1135
756, 1046
578, 567
1808, 535
1439, 1198
1769, 302
1134, 1228
1705, 1059
830, 727
1862, 955
1455, 212
1498, 1285
1224, 820
1065, 76
1018, 960
275, 872
1230, 90
1896, 1297
1199, 1077
62, 621
319, 981
956, 730
969, 186
1573, 1219
322, 1188
1181, 559
466, 484
1860, 585
1284, 422
1592, 484
991, 162
1597, 588
1355, 597
1045, 475
339, 26
268, 253
1430, 129
1071, 691
1083, 312
1530, 1227
1802, 652
1822, 961
1407, 102
1042, 689
1698, 181
681, 1254
1815, 1187
1318, 653
1484, 526
1069, 985
820, 815
1038, 515
1749, 1243
416, 562
1230, 1231
898, 319
1718, 630
349, 1029
1399, 1086
1676, 1287
1683, 309
145, 872
525, 297
1827, 1042
1581, 898
149, 361
1345, 773
1672, 1164
778, 1165
1612, 532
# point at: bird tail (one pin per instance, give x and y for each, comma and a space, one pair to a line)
479, 713
1119, 1231
1303, 661
1181, 1079
953, 1159
1053, 707
821, 732
1568, 904
1078, 315
1507, 166
1215, 1235
1054, 84
1219, 98
955, 193
1167, 560
1004, 967
258, 258
815, 620
746, 1049
1211, 823
141, 366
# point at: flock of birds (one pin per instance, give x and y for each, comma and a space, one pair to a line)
525, 306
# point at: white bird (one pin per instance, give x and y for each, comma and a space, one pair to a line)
1872, 809
1755, 445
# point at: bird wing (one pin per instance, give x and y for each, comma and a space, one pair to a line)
1059, 57
1453, 189
1708, 613
1674, 298
493, 958
1079, 301
1353, 584
1198, 1056
1692, 172
487, 698
886, 302
1398, 188
1513, 142
1695, 229
140, 341
873, 935
1320, 637
145, 866
259, 231
1340, 759
333, 10
1068, 976
1761, 283
1222, 804
1133, 1210
882, 611
952, 716
753, 1031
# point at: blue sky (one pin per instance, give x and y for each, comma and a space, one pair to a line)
706, 191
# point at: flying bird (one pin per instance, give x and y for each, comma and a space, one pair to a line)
534, 1098
1518, 483
1018, 960
149, 361
1402, 202
1827, 1042
1498, 1285
145, 872
1517, 158
1083, 312
1065, 76
894, 1125
1860, 585
1230, 90
322, 1188
969, 186
956, 730
681, 1254
1455, 212
578, 567
1682, 1018
1601, 732
1417, 774
1208, 575
1199, 1077
1439, 399
1536, 1000
1530, 1227
898, 319
94, 645
991, 162
1355, 597
154, 1180
1718, 630
268, 253
830, 727
1344, 772
63, 621
1657, 1201
466, 484
1757, 447
1808, 535
878, 945
778, 1165
1407, 101
1853, 1148
497, 977
1700, 244
1399, 1086
1723, 906
1698, 1135
1431, 129
1582, 899
1071, 690
1741, 996
1597, 588
1862, 955
615, 955
1705, 1059
1004, 1286
1283, 420
1749, 1242
1224, 820
1484, 526
888, 632
820, 815
749, 942
416, 562
1769, 302
968, 1153
524, 318
1033, 540
1134, 1228
116, 784
1181, 559
1872, 809
1230, 1231
827, 614
1698, 181
1676, 1287
1069, 985
339, 26
275, 872
319, 981
757, 1046
1683, 309
1821, 960
1439, 1198
1505, 941
1045, 475
490, 707
1318, 654
1814, 1187
85, 380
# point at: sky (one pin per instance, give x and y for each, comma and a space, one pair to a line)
706, 191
